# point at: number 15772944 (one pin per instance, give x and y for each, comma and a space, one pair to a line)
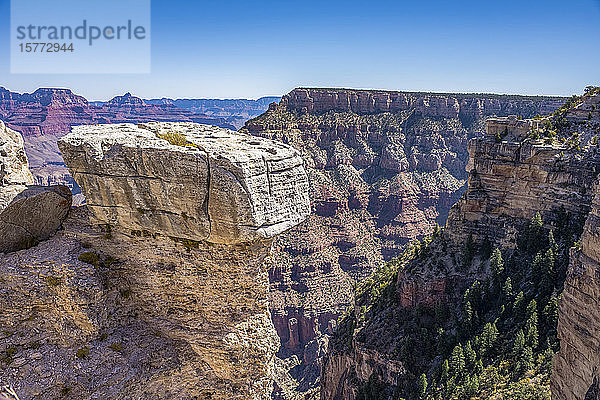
45, 47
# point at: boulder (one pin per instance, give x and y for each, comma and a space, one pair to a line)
35, 213
28, 213
14, 168
186, 180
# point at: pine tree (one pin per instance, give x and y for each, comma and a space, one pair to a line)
470, 355
444, 373
472, 386
535, 233
478, 366
436, 231
537, 268
422, 388
507, 289
532, 333
488, 337
547, 273
518, 306
526, 361
552, 242
550, 313
496, 264
467, 315
441, 341
519, 344
457, 361
531, 308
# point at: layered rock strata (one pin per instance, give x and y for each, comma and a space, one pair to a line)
513, 177
384, 167
576, 367
164, 294
513, 174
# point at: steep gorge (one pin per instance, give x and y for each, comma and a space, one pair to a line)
445, 318
384, 168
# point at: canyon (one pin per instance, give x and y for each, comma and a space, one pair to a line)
526, 178
158, 287
307, 248
385, 167
234, 111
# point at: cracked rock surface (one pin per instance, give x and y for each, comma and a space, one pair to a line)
218, 186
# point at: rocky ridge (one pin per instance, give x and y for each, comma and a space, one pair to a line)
234, 111
157, 297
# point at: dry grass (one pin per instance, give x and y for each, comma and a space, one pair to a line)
8, 393
175, 138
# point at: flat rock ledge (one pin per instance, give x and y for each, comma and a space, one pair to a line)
188, 180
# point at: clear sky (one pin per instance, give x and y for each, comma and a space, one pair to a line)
232, 49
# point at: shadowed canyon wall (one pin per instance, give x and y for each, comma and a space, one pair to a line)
515, 171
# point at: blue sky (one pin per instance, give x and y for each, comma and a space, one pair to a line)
227, 49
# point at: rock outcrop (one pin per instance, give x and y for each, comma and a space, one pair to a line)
214, 185
512, 178
165, 294
384, 167
28, 213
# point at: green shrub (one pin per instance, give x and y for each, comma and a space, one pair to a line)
116, 347
53, 281
83, 352
175, 138
89, 257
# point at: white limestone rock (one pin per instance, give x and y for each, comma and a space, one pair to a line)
217, 185
14, 168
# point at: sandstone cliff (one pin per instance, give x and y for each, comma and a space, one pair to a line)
164, 293
576, 371
384, 167
412, 314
